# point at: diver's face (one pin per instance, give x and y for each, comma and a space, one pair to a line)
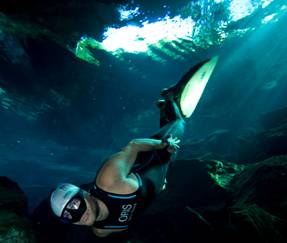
89, 216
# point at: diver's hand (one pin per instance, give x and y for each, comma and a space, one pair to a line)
172, 144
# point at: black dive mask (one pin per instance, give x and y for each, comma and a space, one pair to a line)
74, 209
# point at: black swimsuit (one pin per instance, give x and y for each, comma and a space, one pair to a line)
123, 208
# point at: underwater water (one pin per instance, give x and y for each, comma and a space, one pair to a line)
78, 83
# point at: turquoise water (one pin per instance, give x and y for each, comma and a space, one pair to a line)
70, 99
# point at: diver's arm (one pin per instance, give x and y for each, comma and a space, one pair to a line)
116, 169
148, 144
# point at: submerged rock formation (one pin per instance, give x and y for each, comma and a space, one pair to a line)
234, 204
14, 224
213, 199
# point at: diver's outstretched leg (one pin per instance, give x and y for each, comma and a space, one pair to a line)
153, 165
172, 125
171, 120
179, 103
169, 112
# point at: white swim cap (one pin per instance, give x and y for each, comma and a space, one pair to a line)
61, 196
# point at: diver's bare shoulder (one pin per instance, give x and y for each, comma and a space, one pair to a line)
127, 185
114, 176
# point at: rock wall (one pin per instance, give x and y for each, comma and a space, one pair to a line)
14, 223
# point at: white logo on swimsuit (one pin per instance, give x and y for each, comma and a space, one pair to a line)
127, 212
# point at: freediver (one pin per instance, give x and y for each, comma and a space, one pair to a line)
130, 180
